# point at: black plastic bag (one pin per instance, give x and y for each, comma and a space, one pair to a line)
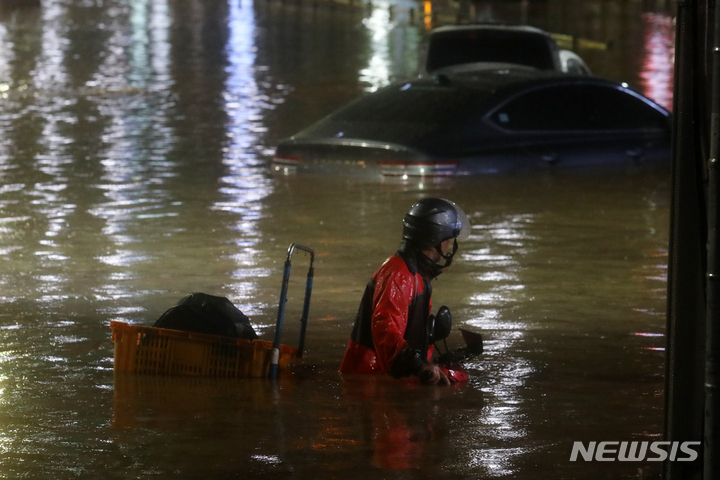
203, 313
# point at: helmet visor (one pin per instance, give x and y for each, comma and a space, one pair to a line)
462, 226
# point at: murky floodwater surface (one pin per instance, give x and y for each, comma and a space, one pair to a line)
135, 140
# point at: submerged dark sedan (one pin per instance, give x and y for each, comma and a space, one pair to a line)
492, 120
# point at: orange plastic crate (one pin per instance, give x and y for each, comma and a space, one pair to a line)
161, 351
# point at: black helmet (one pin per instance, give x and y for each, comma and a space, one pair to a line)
432, 220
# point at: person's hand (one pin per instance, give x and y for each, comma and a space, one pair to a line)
433, 375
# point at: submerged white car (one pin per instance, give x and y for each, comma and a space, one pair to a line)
465, 46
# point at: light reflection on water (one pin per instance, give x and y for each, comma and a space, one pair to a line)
659, 61
377, 73
245, 185
500, 288
133, 170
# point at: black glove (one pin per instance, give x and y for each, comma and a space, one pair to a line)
408, 362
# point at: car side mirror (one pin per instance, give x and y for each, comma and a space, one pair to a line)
442, 325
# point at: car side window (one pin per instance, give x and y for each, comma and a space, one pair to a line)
573, 107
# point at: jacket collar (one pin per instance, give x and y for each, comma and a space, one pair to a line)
418, 262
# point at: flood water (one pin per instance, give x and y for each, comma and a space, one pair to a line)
135, 139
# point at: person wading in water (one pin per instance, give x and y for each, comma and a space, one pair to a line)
393, 330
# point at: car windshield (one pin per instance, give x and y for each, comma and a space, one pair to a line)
457, 48
424, 104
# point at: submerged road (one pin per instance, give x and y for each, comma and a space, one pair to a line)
135, 140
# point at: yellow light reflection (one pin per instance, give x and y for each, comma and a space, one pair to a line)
427, 8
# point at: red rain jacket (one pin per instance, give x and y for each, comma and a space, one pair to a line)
391, 331
379, 334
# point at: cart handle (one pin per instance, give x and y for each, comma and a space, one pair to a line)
281, 307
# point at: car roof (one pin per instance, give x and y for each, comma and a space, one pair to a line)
485, 86
502, 79
486, 27
499, 84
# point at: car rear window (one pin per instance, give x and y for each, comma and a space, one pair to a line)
457, 48
425, 104
571, 107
